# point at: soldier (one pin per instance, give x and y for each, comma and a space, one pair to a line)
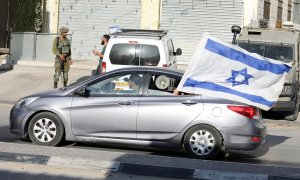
62, 49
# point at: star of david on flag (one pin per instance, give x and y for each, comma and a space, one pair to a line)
224, 70
237, 75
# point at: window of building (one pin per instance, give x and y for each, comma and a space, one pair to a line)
279, 10
289, 14
267, 6
296, 12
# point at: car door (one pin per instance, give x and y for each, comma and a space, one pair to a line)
110, 110
162, 115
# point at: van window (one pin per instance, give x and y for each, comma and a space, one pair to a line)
170, 47
134, 54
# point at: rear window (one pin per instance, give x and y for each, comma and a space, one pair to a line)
134, 54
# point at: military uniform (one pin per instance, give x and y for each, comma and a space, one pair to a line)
61, 46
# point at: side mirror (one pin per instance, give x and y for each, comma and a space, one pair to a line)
178, 52
82, 91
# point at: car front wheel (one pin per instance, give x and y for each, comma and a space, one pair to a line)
203, 142
46, 129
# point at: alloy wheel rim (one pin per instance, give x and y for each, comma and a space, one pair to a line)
44, 130
202, 142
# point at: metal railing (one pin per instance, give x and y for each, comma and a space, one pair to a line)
32, 46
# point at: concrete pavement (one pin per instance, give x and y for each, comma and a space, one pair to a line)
30, 78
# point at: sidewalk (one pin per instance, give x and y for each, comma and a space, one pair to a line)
29, 77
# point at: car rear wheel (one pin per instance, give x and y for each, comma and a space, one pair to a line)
46, 129
203, 142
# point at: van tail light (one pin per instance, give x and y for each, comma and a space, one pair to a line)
165, 65
103, 66
247, 111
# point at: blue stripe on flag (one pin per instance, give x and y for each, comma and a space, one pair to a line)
215, 87
251, 61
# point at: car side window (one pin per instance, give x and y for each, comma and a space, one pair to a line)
162, 85
126, 84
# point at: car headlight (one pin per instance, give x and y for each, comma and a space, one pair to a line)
25, 102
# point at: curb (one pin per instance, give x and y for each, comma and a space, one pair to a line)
132, 168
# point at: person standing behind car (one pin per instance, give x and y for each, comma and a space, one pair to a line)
104, 41
62, 49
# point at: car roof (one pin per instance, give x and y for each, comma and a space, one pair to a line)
140, 33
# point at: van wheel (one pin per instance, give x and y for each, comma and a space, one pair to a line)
46, 129
292, 116
203, 142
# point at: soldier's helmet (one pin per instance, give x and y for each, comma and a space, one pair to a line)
63, 29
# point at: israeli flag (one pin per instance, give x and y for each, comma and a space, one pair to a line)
224, 70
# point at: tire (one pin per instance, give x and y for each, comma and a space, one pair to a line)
203, 142
46, 129
292, 116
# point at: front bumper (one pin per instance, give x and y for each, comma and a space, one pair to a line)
17, 120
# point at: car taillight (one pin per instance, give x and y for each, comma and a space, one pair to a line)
247, 111
165, 65
256, 139
103, 67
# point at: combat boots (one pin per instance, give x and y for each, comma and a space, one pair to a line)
65, 84
55, 85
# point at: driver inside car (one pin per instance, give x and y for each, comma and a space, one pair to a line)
134, 82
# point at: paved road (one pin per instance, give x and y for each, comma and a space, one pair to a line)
13, 170
281, 148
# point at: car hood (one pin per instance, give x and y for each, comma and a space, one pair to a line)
54, 92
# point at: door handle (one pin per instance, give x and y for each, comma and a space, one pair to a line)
189, 102
125, 103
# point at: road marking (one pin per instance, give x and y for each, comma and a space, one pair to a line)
83, 163
26, 158
212, 174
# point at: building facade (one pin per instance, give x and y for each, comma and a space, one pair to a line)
185, 20
274, 11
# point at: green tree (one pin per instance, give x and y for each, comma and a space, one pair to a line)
29, 16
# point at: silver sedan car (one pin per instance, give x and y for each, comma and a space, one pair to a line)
137, 106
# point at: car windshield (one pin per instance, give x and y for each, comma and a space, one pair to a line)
281, 52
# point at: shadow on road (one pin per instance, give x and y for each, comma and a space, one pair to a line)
273, 115
1, 72
253, 155
32, 176
6, 136
130, 149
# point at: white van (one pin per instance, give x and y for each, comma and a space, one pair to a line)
132, 47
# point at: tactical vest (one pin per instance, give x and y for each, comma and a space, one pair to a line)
63, 46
